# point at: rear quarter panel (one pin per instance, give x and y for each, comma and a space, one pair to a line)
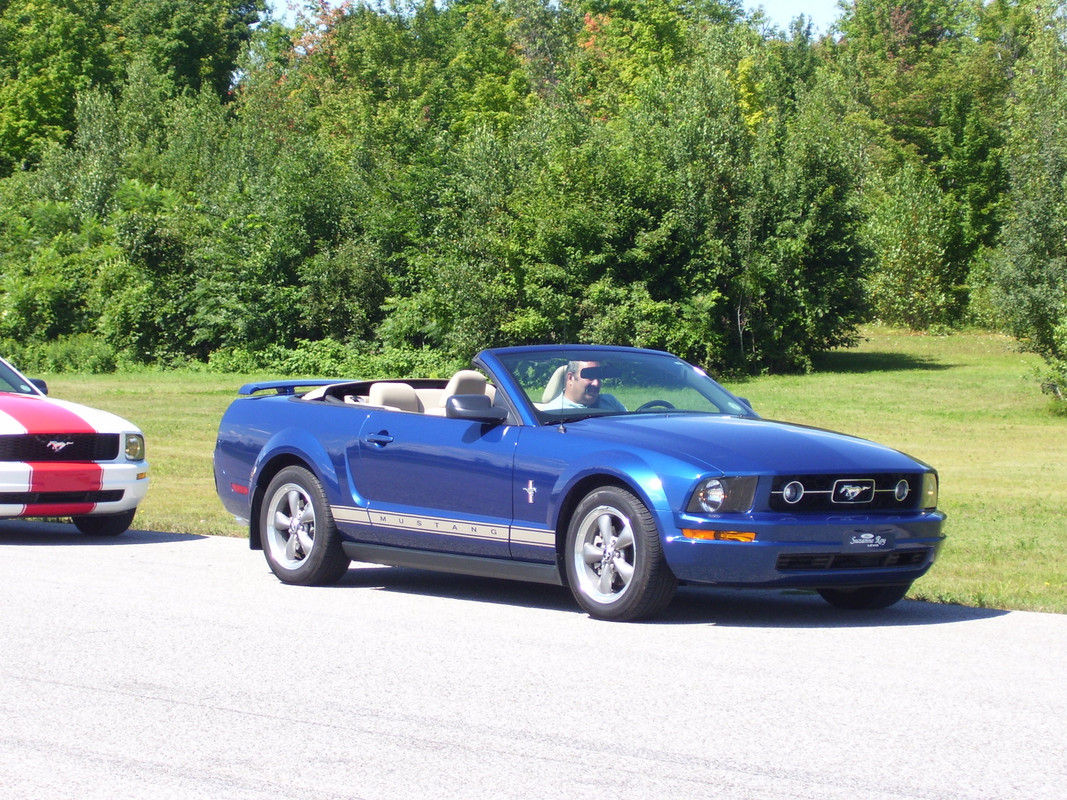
260, 435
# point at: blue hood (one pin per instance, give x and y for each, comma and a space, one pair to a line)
736, 445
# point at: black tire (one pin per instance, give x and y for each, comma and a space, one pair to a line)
614, 560
300, 540
105, 524
865, 598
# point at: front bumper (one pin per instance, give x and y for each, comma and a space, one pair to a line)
62, 489
795, 553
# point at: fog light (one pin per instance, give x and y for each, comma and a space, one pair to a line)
792, 492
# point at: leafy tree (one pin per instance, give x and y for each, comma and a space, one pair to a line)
421, 179
906, 230
802, 286
49, 51
1031, 270
622, 44
196, 43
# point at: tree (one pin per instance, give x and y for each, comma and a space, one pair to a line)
196, 43
49, 51
1031, 270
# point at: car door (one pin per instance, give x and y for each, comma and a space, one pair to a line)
435, 483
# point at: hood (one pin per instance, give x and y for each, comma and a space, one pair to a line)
738, 445
29, 413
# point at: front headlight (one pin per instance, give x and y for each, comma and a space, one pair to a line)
723, 495
929, 491
134, 447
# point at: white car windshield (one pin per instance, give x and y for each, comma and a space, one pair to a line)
11, 381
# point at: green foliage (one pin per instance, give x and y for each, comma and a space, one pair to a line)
49, 51
53, 50
195, 43
907, 229
328, 357
1030, 271
81, 353
416, 180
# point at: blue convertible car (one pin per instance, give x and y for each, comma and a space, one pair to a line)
617, 472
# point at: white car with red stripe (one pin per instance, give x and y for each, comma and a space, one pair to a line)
60, 459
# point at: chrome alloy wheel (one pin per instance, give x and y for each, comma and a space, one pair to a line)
604, 554
290, 533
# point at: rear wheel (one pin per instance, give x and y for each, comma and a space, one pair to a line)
300, 540
614, 561
105, 524
865, 598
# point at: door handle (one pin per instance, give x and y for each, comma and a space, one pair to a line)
379, 439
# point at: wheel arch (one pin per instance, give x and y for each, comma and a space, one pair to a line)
264, 475
573, 496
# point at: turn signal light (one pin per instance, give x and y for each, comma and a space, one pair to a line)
720, 536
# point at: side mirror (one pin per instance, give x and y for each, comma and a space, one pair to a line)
475, 408
40, 384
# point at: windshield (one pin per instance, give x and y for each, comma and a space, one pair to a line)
564, 386
11, 381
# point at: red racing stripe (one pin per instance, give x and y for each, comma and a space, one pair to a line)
78, 476
40, 416
37, 415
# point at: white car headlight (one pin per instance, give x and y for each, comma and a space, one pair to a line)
134, 447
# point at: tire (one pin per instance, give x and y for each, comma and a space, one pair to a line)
614, 560
105, 524
865, 598
300, 540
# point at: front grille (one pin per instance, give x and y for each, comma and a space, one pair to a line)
55, 498
792, 562
59, 447
829, 493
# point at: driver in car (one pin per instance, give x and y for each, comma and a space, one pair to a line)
581, 389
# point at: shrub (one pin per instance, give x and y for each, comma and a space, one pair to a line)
81, 352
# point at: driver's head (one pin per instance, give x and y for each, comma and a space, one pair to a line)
584, 391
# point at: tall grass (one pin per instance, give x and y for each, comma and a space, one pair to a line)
969, 404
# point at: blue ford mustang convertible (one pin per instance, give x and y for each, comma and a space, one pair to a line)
617, 472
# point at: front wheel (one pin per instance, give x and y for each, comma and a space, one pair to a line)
105, 524
300, 540
865, 598
614, 561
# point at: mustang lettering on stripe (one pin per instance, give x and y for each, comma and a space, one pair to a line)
541, 537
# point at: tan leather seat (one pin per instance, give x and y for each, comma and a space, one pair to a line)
394, 395
466, 381
554, 387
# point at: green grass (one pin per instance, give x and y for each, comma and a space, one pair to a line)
179, 413
969, 404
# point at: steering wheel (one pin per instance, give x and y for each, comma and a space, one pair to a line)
654, 404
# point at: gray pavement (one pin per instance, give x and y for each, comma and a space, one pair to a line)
160, 665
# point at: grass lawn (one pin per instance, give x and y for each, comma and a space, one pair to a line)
969, 404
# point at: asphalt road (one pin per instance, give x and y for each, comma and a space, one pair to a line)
161, 665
